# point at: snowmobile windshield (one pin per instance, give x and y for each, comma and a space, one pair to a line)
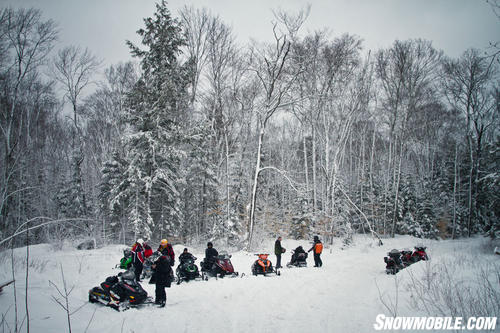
128, 275
224, 255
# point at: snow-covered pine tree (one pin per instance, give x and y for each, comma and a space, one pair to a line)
426, 214
407, 223
156, 108
112, 203
71, 196
489, 198
199, 188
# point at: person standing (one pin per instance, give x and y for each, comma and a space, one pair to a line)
138, 258
163, 273
278, 251
318, 248
166, 249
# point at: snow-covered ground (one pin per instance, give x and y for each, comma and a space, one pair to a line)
343, 296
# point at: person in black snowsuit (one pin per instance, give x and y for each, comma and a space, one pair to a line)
210, 256
296, 253
163, 273
278, 251
185, 255
318, 248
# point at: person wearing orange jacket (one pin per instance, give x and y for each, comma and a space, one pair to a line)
318, 248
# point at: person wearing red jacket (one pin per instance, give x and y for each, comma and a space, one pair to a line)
141, 250
166, 249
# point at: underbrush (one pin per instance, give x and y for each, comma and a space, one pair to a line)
460, 286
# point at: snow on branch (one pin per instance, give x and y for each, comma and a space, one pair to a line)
284, 174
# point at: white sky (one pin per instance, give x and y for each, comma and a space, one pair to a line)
452, 25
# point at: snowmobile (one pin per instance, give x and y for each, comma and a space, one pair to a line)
126, 261
393, 262
419, 253
263, 266
187, 270
406, 257
221, 267
147, 270
298, 259
120, 292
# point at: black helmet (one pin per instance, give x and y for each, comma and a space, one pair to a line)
209, 244
316, 238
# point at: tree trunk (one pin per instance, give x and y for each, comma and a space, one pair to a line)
254, 189
314, 167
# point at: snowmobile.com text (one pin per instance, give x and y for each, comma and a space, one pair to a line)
383, 322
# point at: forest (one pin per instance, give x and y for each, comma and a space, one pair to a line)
202, 138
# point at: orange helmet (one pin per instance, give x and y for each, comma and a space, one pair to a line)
163, 242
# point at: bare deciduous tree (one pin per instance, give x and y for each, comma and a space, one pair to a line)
25, 42
469, 84
270, 67
74, 69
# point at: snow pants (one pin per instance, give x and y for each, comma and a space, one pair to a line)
278, 261
317, 260
161, 295
138, 270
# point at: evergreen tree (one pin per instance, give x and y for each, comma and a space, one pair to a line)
489, 197
154, 142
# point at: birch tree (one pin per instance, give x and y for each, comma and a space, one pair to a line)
407, 73
270, 68
25, 42
469, 84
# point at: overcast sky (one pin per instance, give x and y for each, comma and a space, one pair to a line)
452, 25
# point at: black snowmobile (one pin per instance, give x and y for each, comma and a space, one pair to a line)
187, 270
298, 259
393, 262
120, 292
263, 266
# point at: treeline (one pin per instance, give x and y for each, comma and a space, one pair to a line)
203, 138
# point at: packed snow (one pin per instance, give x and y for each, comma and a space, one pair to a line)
345, 295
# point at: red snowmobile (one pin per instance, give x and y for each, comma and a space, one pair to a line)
419, 253
221, 267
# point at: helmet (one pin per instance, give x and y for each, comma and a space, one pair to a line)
209, 244
394, 252
140, 241
163, 242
